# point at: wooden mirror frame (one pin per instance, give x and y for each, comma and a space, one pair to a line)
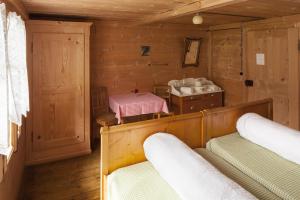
187, 44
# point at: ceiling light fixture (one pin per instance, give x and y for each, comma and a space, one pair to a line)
197, 19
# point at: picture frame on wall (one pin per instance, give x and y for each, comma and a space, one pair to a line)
191, 52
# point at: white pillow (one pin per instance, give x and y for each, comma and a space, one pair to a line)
190, 175
280, 139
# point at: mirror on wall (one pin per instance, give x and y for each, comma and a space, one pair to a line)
191, 52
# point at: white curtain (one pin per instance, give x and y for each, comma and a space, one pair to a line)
17, 68
4, 128
14, 94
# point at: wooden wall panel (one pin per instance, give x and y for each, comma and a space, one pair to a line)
226, 64
116, 60
277, 39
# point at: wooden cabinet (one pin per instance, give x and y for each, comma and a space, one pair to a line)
196, 103
59, 122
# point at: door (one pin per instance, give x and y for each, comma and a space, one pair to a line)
272, 63
58, 96
226, 65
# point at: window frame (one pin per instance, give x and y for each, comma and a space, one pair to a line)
14, 131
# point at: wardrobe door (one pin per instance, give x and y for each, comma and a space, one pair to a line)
59, 117
58, 103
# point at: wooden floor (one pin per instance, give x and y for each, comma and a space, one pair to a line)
73, 179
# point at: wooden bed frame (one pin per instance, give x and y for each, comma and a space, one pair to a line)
122, 145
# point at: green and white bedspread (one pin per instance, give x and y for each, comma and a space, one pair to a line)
142, 182
277, 174
139, 182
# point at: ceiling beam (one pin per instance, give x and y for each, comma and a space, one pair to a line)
233, 15
187, 9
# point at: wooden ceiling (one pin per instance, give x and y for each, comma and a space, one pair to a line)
175, 11
262, 8
111, 9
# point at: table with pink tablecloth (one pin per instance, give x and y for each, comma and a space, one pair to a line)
133, 104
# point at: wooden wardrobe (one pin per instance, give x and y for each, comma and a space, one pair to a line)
58, 126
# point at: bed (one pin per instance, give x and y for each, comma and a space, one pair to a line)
126, 174
275, 173
142, 182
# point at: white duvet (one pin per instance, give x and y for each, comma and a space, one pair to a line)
190, 175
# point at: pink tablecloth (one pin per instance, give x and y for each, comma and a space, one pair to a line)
136, 104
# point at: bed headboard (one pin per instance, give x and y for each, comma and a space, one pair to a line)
222, 121
123, 145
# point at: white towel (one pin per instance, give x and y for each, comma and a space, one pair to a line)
280, 139
190, 175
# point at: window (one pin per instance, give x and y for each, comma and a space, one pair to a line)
14, 99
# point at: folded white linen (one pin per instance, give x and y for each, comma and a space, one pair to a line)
187, 90
189, 174
175, 91
280, 139
188, 81
175, 83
